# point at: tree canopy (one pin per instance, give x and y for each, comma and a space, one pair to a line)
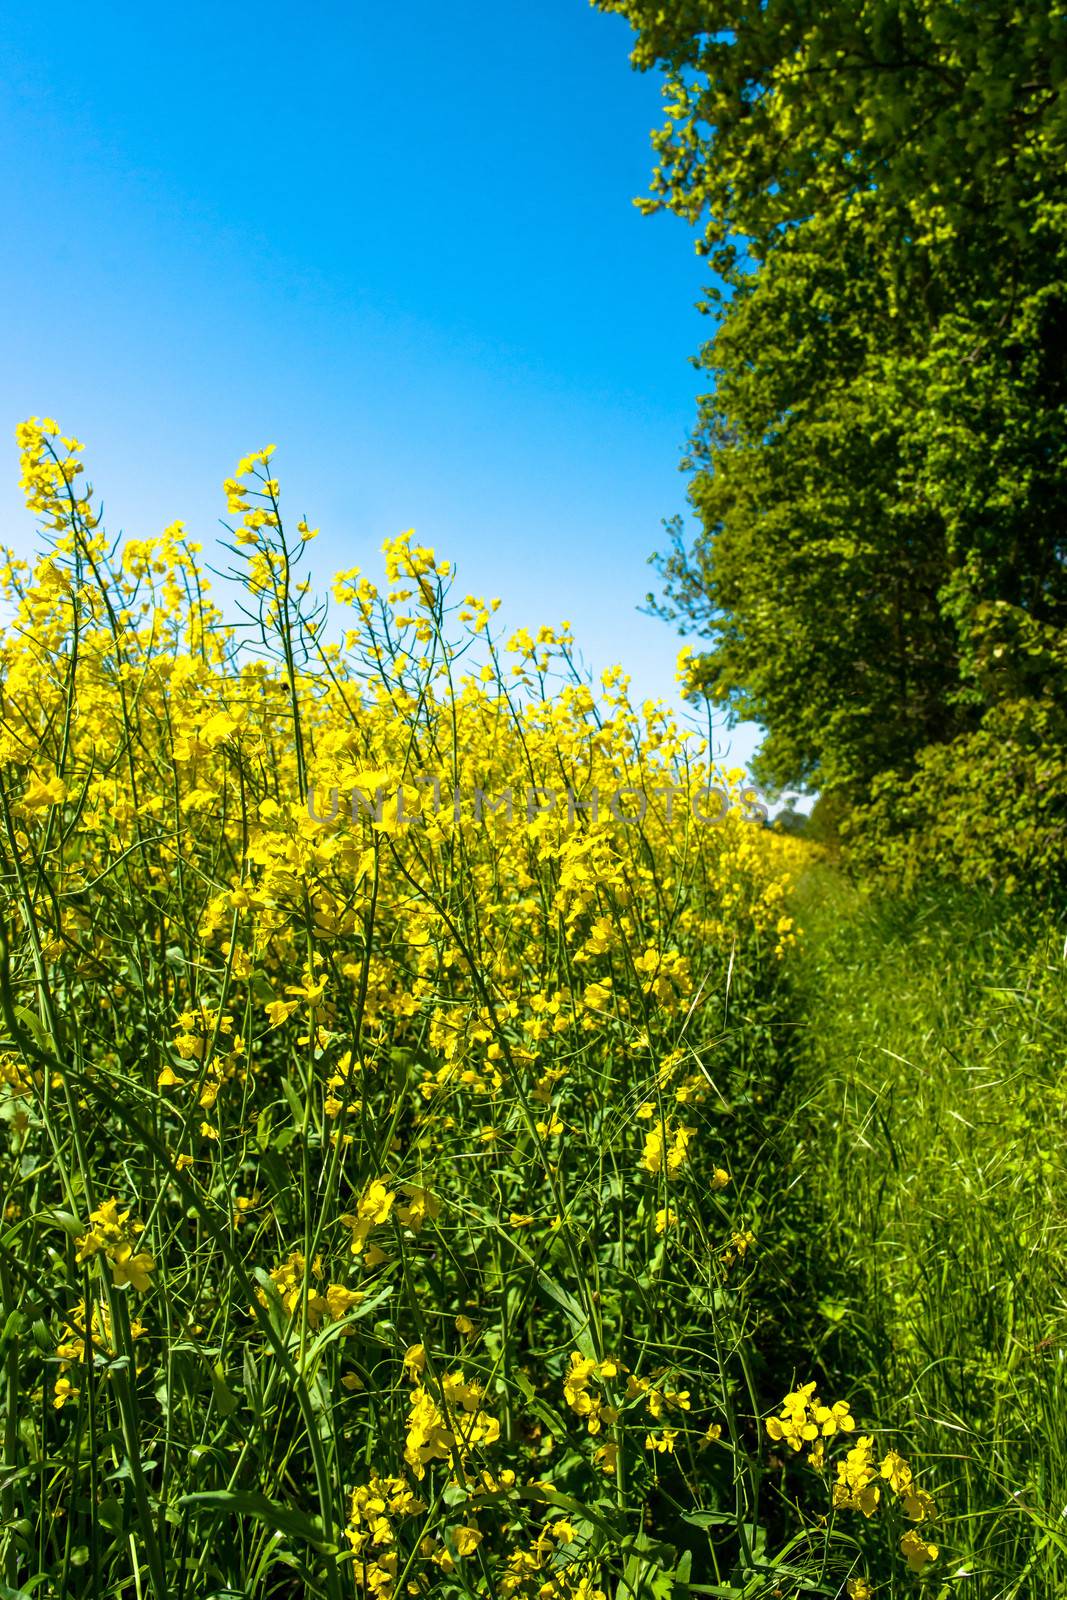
879, 462
783, 110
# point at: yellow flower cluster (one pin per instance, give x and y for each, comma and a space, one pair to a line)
86, 1333
375, 1207
374, 1510
804, 1422
535, 1570
357, 922
599, 1411
858, 1486
741, 1242
532, 1572
666, 1148
50, 468
418, 758
293, 1282
581, 1374
804, 1419
446, 1425
114, 1235
14, 1076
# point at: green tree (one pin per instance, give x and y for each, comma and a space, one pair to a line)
780, 110
879, 463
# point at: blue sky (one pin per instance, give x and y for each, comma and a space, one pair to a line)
397, 242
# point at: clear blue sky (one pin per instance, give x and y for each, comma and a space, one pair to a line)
399, 243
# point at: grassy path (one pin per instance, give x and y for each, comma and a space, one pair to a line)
919, 1208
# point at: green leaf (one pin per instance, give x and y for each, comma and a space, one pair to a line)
295, 1104
708, 1519
32, 1022
579, 1322
540, 1407
244, 1503
225, 1399
70, 1224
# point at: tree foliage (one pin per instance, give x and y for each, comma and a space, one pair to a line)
782, 110
879, 463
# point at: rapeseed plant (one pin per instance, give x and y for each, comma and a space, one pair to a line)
419, 1129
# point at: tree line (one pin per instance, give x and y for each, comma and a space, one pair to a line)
878, 464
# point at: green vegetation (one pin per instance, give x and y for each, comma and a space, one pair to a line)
433, 1195
879, 469
922, 1206
879, 466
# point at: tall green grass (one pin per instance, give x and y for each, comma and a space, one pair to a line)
920, 1192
